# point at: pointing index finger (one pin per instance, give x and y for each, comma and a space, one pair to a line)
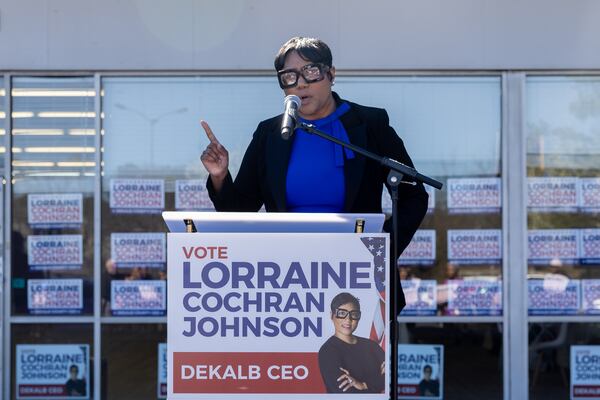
209, 133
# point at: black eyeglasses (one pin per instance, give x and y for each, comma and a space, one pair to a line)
340, 313
311, 73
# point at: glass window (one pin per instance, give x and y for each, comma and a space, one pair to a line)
563, 148
133, 366
563, 199
52, 206
451, 127
453, 265
153, 140
480, 344
554, 364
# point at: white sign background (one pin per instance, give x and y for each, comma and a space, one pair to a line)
282, 249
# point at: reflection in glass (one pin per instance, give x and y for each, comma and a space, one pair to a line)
153, 138
52, 205
481, 344
563, 146
132, 366
451, 126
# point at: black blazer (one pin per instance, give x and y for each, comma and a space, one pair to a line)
262, 175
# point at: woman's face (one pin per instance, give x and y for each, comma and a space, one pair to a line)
316, 97
345, 326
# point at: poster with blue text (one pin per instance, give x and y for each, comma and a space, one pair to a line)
54, 252
590, 296
130, 250
420, 250
55, 296
192, 195
552, 194
137, 196
421, 296
589, 246
585, 372
589, 195
474, 195
475, 246
474, 297
56, 210
421, 371
52, 371
553, 246
554, 296
269, 315
143, 297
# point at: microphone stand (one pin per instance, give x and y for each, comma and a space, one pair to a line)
395, 176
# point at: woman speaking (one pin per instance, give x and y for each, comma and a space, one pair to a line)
308, 173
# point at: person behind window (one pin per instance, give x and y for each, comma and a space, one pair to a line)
308, 173
429, 387
75, 386
349, 363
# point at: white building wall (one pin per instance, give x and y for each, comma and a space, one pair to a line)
245, 34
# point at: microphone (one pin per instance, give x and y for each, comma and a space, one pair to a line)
288, 124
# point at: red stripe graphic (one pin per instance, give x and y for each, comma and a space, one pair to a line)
246, 373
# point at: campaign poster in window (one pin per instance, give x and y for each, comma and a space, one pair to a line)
137, 196
552, 194
192, 195
585, 372
554, 296
55, 296
421, 371
474, 246
421, 297
54, 252
474, 195
589, 195
420, 250
590, 296
55, 210
589, 246
52, 371
162, 371
144, 297
474, 297
129, 250
553, 246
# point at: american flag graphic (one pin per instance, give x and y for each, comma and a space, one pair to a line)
376, 246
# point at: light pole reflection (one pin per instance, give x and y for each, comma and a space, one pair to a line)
151, 120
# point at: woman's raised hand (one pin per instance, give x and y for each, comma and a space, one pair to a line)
215, 157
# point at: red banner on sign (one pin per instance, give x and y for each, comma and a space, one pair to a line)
247, 373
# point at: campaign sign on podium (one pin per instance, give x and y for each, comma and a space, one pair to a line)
249, 313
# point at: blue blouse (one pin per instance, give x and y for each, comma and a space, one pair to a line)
315, 175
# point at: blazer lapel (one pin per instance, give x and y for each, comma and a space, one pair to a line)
278, 156
354, 167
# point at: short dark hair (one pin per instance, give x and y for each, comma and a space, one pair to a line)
427, 366
310, 49
73, 366
344, 298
